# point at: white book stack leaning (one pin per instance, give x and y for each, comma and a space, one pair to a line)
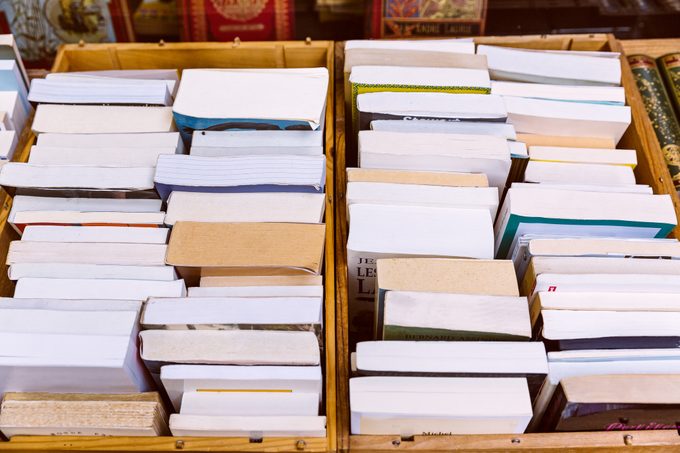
243, 357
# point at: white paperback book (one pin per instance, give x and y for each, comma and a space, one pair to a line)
577, 173
436, 152
422, 195
569, 93
178, 379
132, 235
245, 207
264, 313
129, 140
90, 271
231, 143
548, 117
37, 288
297, 94
10, 102
170, 76
253, 427
86, 253
410, 406
98, 119
228, 347
550, 67
256, 291
503, 130
246, 403
116, 157
99, 90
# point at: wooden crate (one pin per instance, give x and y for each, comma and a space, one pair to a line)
200, 55
651, 170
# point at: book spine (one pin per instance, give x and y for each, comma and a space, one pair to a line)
669, 66
660, 111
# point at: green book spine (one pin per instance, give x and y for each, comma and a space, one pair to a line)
669, 66
405, 333
660, 111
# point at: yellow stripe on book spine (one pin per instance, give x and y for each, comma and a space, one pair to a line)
579, 162
245, 390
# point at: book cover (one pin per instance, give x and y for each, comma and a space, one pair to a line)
225, 20
660, 111
423, 18
41, 26
669, 66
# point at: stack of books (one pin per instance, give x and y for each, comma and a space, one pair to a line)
569, 197
99, 260
92, 250
15, 109
241, 354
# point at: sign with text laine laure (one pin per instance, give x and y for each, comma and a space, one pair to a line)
418, 18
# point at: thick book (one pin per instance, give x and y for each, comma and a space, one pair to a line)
234, 99
245, 207
549, 117
478, 277
234, 313
239, 142
429, 106
238, 174
601, 156
567, 93
562, 68
434, 178
133, 157
178, 379
128, 140
256, 403
436, 152
78, 180
253, 427
86, 253
256, 291
407, 406
50, 414
431, 316
548, 211
99, 119
92, 234
82, 288
228, 347
99, 90
283, 248
568, 173
372, 79
90, 271
626, 402
384, 231
454, 359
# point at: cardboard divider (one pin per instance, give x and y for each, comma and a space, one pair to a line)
75, 57
651, 169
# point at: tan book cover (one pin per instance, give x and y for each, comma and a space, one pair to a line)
134, 414
567, 142
247, 248
274, 280
443, 275
431, 178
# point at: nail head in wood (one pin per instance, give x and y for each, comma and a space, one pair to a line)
300, 444
237, 42
179, 445
628, 439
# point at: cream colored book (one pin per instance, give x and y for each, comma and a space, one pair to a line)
81, 414
99, 119
435, 178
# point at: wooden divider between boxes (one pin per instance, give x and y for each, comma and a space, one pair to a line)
90, 57
651, 169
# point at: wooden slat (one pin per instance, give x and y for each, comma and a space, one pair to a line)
652, 47
640, 135
651, 170
185, 55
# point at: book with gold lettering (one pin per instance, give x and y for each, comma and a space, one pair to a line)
414, 18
